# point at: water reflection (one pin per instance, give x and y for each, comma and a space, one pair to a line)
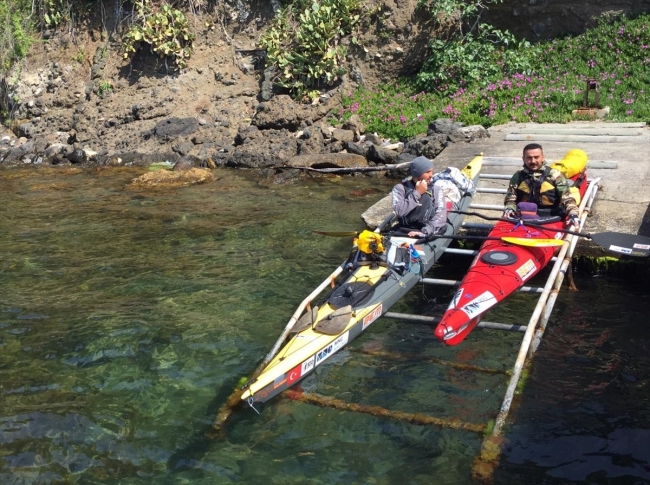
127, 317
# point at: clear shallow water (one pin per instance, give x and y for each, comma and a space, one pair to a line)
126, 318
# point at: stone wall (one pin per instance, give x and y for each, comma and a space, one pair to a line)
543, 19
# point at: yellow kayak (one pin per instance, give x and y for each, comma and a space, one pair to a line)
361, 290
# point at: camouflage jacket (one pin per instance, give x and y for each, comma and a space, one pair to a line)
546, 187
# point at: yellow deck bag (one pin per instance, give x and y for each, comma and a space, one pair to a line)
370, 242
573, 163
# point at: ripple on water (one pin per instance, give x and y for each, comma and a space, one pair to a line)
142, 312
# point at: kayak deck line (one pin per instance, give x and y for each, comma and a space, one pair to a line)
432, 360
381, 412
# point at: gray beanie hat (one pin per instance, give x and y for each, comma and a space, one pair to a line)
419, 165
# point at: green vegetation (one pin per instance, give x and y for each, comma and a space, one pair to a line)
303, 41
104, 88
15, 28
54, 12
516, 82
166, 30
80, 56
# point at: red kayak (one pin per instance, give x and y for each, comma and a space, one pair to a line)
499, 269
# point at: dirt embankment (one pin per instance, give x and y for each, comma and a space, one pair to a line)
76, 100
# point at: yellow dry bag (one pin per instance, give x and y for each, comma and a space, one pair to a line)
370, 242
573, 163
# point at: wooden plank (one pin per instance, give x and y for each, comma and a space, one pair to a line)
614, 131
509, 161
568, 138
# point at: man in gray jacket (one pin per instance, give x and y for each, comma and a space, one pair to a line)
413, 199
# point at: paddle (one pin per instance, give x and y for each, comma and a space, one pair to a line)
617, 242
521, 241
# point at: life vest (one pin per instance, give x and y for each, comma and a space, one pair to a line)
573, 166
537, 189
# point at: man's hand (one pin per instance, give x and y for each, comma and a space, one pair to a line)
416, 234
421, 186
509, 214
573, 223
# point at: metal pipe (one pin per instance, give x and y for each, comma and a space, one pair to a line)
436, 281
491, 191
495, 176
492, 207
464, 252
424, 319
476, 225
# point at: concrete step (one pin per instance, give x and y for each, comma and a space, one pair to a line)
591, 131
568, 138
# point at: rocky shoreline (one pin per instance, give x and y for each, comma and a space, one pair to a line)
281, 133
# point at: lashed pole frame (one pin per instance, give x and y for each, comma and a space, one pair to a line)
488, 458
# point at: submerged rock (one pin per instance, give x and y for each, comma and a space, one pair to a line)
167, 179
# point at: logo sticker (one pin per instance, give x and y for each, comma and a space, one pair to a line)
372, 316
641, 246
456, 298
479, 304
526, 269
327, 352
619, 249
300, 370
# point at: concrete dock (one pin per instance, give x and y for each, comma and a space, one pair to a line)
623, 203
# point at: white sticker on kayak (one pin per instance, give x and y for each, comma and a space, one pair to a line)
331, 348
641, 246
300, 370
479, 304
456, 298
619, 249
526, 269
372, 316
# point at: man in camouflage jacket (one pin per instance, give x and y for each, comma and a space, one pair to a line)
540, 184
